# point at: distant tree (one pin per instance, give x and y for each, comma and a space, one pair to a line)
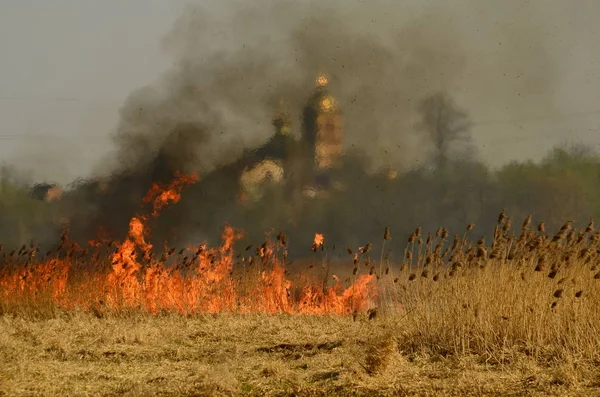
445, 124
577, 162
569, 157
552, 194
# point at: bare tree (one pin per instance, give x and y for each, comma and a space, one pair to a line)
445, 124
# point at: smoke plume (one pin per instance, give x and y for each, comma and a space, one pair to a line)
236, 65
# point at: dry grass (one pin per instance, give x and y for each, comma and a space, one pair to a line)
78, 354
516, 317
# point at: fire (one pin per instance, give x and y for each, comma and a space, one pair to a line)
103, 236
318, 242
160, 196
198, 279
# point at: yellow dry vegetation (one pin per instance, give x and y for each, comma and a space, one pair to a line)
139, 355
516, 317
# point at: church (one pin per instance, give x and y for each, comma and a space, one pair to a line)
304, 166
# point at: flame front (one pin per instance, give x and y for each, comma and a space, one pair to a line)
195, 280
319, 240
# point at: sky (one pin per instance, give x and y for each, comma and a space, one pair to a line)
66, 68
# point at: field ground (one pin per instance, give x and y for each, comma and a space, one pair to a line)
77, 354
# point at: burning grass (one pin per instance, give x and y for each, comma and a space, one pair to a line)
122, 276
519, 313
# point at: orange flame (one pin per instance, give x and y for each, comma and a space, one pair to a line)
161, 195
197, 280
319, 239
318, 242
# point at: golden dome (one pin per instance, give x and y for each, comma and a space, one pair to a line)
322, 80
328, 103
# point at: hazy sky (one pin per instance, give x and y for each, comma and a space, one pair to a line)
67, 66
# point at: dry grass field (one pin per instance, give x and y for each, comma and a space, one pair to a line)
456, 316
77, 354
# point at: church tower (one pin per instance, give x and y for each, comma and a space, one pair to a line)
322, 128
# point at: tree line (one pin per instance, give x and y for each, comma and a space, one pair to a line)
452, 190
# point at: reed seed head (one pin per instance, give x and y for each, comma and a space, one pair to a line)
541, 227
481, 252
507, 225
386, 234
502, 216
526, 222
418, 232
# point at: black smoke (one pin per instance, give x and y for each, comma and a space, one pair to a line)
237, 65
